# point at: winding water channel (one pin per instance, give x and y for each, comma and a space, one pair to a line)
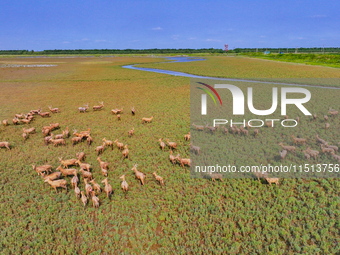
190, 59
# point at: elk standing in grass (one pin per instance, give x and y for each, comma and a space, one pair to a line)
161, 144
43, 168
139, 175
100, 149
103, 164
89, 140
68, 162
117, 111
215, 176
77, 191
76, 140
327, 125
5, 122
120, 146
57, 184
53, 110
172, 145
80, 156
313, 153
299, 140
108, 189
195, 149
108, 143
288, 148
147, 120
319, 140
24, 135
183, 161
83, 198
67, 171
130, 133
158, 178
172, 158
335, 148
118, 117
44, 114
259, 174
326, 150
256, 132
133, 111
29, 130
333, 112
66, 132
96, 186
52, 176
86, 174
88, 188
198, 127
57, 142
74, 180
5, 145
272, 180
84, 108
187, 137
125, 152
95, 200
124, 184
283, 154
104, 171
98, 107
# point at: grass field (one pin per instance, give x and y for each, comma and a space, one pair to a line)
187, 216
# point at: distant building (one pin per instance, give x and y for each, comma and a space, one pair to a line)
266, 52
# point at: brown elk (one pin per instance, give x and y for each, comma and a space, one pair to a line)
57, 142
95, 200
103, 165
161, 144
108, 188
67, 171
172, 145
96, 186
147, 120
108, 143
187, 137
139, 175
84, 108
124, 184
68, 162
53, 110
44, 114
5, 145
130, 133
98, 107
57, 184
43, 168
100, 149
125, 152
183, 161
158, 178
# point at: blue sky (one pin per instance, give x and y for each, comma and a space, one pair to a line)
73, 24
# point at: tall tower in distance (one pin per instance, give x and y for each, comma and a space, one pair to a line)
226, 47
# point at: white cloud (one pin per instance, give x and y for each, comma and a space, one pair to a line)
65, 42
262, 36
212, 40
175, 37
156, 28
192, 38
85, 39
99, 41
